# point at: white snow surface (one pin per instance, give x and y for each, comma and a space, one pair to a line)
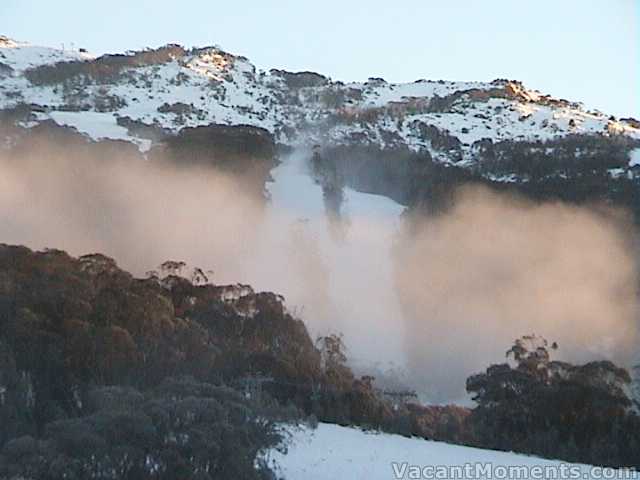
217, 87
634, 158
98, 126
342, 249
21, 55
332, 452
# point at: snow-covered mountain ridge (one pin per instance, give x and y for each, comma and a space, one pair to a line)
170, 88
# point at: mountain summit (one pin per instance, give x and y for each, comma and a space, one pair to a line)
145, 95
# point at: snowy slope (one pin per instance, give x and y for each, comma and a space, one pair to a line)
98, 125
22, 55
332, 452
208, 85
343, 250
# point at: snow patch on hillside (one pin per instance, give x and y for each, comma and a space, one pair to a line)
22, 55
98, 126
334, 452
634, 158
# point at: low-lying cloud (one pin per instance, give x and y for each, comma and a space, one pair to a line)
446, 301
496, 267
138, 212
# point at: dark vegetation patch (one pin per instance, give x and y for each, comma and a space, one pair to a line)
110, 376
555, 409
238, 149
19, 113
49, 139
569, 156
181, 109
104, 69
5, 70
296, 80
106, 375
408, 177
140, 129
574, 169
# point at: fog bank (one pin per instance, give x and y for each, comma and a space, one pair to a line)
443, 296
496, 267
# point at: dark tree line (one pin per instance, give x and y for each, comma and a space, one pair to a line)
579, 413
101, 372
103, 375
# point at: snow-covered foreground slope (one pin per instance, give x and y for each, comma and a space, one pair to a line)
332, 452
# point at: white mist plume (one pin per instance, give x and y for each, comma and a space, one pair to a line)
496, 267
139, 213
449, 301
143, 213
